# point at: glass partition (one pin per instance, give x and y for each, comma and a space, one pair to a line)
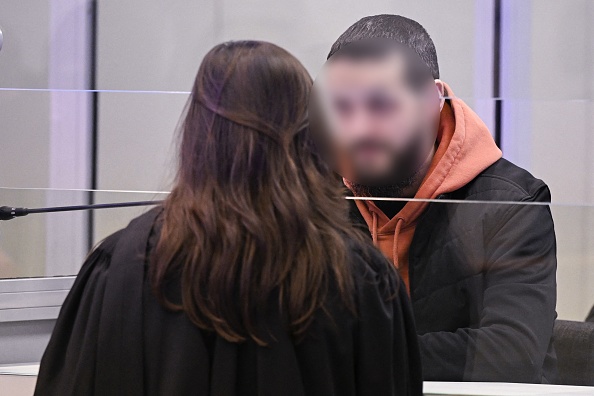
55, 244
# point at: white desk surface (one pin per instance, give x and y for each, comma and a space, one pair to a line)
20, 369
502, 389
19, 380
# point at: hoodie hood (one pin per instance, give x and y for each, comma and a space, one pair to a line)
465, 148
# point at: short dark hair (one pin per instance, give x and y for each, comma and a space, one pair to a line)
395, 27
417, 74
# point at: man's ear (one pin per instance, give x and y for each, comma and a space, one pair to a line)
440, 86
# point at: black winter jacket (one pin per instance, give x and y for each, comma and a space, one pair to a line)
482, 281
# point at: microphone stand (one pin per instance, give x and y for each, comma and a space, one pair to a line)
9, 213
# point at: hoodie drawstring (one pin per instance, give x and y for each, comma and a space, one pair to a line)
395, 244
397, 229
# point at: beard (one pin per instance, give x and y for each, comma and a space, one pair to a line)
402, 174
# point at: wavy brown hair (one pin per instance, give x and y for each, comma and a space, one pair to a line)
255, 217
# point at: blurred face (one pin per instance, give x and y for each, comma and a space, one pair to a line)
382, 129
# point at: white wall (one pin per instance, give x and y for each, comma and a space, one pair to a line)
24, 126
560, 145
44, 134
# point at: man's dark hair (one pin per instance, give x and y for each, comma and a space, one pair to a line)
395, 27
417, 73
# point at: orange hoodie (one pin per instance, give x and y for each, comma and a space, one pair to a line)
465, 149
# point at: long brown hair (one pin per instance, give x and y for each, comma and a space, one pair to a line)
254, 215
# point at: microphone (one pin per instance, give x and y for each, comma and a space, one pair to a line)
9, 212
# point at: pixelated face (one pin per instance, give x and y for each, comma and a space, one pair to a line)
378, 123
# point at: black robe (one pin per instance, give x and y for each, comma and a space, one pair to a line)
113, 338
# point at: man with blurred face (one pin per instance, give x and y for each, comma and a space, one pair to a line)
481, 276
386, 120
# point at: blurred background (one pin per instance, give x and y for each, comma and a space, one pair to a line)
91, 93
